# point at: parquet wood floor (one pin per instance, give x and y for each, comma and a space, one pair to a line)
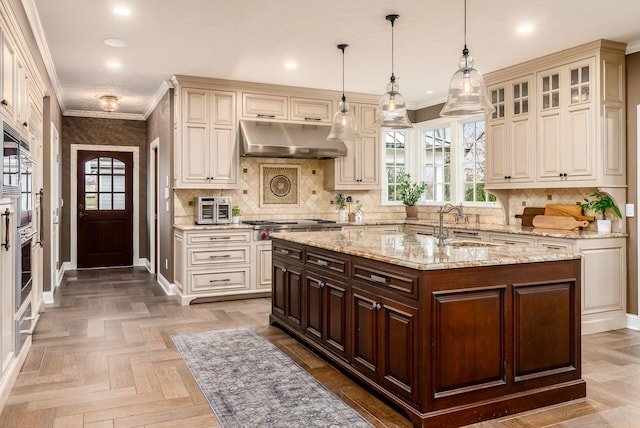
102, 357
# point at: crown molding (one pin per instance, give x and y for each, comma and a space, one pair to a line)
633, 47
164, 87
104, 115
38, 32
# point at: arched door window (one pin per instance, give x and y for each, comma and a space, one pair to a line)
104, 180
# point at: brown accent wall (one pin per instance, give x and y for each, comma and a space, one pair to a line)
633, 100
159, 126
424, 114
108, 132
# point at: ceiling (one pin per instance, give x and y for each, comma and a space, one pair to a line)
251, 40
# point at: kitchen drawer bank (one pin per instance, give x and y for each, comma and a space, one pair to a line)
604, 271
219, 263
452, 336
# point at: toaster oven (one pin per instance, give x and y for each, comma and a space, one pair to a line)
213, 209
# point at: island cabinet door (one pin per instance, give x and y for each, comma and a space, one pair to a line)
325, 318
287, 293
385, 343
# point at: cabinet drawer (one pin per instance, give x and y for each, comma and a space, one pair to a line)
264, 106
516, 241
382, 276
553, 244
328, 262
286, 250
220, 280
218, 238
215, 256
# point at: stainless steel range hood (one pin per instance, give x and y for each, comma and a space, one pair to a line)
288, 140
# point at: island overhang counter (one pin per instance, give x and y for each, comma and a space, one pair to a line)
451, 334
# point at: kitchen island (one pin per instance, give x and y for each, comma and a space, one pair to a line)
451, 335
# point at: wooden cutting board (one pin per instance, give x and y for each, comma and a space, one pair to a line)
574, 211
558, 222
528, 214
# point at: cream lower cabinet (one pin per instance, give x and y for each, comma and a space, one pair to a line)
604, 275
262, 265
206, 149
213, 264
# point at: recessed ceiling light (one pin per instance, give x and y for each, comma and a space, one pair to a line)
290, 65
428, 92
113, 64
525, 28
116, 43
122, 11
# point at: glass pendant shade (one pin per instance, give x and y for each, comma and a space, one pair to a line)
467, 92
344, 127
393, 110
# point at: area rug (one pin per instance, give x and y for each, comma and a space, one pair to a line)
249, 382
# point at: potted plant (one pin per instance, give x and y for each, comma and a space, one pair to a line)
341, 204
601, 202
410, 193
235, 214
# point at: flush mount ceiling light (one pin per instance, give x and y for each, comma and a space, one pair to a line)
109, 102
393, 110
467, 92
116, 43
344, 126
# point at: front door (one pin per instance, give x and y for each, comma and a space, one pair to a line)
105, 209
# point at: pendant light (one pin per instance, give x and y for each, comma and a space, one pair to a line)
467, 92
393, 110
344, 126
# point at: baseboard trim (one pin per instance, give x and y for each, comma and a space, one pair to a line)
47, 297
168, 287
9, 377
633, 322
142, 262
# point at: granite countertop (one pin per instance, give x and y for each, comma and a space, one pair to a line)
422, 252
200, 227
521, 230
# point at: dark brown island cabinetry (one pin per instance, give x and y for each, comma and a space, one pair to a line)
448, 346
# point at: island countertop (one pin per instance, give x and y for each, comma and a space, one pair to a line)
422, 252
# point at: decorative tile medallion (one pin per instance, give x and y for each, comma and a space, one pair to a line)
279, 184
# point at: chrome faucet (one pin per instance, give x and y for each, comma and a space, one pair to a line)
446, 208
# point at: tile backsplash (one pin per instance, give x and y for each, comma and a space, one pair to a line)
316, 202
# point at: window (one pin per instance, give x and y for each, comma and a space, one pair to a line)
104, 182
437, 164
394, 161
450, 159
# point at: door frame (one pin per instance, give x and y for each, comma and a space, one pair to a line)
73, 209
153, 186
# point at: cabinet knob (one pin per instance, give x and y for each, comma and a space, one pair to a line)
283, 270
377, 306
321, 284
4, 102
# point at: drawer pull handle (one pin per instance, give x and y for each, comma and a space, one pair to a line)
551, 247
269, 116
323, 262
219, 237
510, 242
381, 279
283, 251
220, 257
219, 280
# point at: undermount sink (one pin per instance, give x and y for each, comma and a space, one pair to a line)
471, 244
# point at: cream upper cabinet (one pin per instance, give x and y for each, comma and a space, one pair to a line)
8, 77
511, 154
573, 134
567, 123
207, 147
264, 106
311, 110
359, 169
